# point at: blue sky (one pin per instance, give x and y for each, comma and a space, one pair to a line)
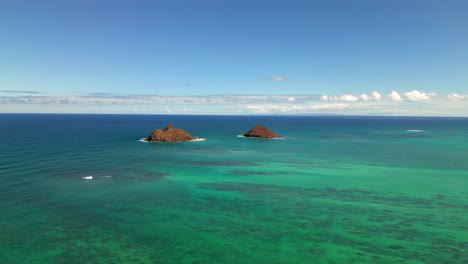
340, 57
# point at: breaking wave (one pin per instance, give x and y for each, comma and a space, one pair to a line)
415, 130
242, 136
197, 139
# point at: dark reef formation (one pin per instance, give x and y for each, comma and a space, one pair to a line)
259, 131
170, 133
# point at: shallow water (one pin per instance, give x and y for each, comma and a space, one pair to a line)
334, 190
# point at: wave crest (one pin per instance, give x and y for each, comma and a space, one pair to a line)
415, 130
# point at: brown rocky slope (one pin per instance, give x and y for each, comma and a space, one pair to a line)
259, 131
170, 133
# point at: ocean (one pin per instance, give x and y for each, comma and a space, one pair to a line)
333, 190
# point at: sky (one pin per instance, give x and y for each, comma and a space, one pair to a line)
344, 57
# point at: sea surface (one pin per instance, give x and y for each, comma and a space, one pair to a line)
333, 190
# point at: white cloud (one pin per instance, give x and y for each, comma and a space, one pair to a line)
328, 107
457, 97
343, 98
395, 96
264, 109
276, 78
417, 96
412, 96
365, 97
374, 96
155, 99
367, 103
257, 109
348, 98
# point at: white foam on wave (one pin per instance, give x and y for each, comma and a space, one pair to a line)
242, 136
415, 130
146, 141
87, 177
107, 176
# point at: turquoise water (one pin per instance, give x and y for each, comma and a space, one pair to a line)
334, 190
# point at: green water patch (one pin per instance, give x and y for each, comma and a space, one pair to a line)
374, 224
166, 221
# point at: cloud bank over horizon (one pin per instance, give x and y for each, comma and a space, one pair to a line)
411, 96
403, 103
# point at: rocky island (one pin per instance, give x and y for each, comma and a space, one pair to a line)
170, 133
259, 131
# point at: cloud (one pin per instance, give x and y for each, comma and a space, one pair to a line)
276, 78
395, 96
374, 96
114, 99
417, 96
343, 98
457, 97
348, 98
151, 99
364, 104
265, 109
19, 92
101, 94
328, 107
412, 96
257, 109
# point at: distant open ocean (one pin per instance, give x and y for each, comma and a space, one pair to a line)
334, 190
